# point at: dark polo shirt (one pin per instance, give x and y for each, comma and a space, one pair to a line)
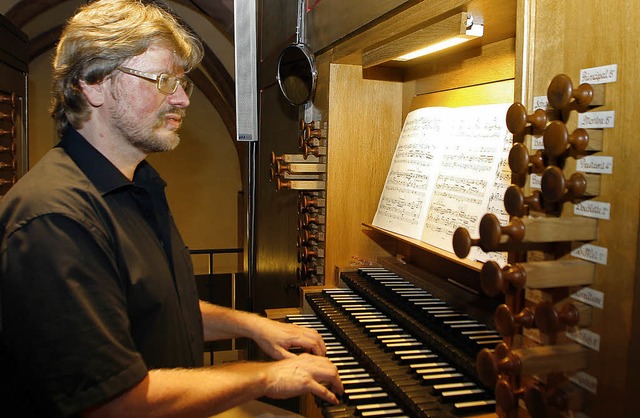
96, 284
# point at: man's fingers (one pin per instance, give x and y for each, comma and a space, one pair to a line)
313, 342
324, 393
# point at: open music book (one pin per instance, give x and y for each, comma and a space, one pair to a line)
450, 168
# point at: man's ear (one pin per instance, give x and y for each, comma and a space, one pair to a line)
94, 92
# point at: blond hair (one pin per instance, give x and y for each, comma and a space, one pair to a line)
103, 34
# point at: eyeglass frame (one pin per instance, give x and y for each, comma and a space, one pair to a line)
187, 85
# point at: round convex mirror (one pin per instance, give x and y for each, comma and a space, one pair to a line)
297, 74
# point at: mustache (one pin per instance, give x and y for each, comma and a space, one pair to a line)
174, 110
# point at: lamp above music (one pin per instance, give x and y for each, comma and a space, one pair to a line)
446, 33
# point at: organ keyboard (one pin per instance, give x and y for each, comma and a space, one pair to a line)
400, 349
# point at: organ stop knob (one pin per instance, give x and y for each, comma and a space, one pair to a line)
515, 203
535, 274
557, 140
507, 396
549, 320
529, 361
506, 321
491, 233
517, 119
561, 91
521, 162
555, 188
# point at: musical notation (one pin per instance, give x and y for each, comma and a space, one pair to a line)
402, 210
450, 168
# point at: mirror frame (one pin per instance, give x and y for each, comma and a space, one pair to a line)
312, 72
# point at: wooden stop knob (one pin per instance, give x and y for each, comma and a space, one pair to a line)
13, 165
549, 320
487, 363
308, 269
506, 321
558, 142
314, 124
495, 279
9, 115
506, 396
275, 158
516, 204
10, 148
491, 231
309, 252
11, 131
538, 400
517, 119
521, 162
487, 367
9, 99
555, 188
274, 174
282, 167
282, 184
462, 242
308, 150
309, 201
561, 91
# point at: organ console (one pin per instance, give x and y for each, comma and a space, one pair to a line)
393, 362
552, 316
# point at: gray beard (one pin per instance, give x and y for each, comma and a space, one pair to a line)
149, 141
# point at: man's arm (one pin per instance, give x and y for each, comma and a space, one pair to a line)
273, 337
207, 391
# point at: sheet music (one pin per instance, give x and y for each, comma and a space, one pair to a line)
449, 169
406, 196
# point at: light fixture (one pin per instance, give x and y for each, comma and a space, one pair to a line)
446, 33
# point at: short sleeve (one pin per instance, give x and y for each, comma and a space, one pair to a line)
65, 326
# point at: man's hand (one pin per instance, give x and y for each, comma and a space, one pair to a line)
302, 374
277, 338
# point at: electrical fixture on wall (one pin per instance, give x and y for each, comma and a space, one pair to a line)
446, 33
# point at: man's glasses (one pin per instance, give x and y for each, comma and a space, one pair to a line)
166, 83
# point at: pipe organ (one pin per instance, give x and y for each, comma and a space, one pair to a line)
552, 331
305, 173
13, 70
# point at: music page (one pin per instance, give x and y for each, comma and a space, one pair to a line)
404, 203
449, 169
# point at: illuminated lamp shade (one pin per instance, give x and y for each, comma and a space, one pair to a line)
446, 33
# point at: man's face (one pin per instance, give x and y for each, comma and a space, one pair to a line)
146, 117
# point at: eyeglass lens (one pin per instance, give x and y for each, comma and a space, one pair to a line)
169, 84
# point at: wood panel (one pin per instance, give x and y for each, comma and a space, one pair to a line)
490, 93
364, 124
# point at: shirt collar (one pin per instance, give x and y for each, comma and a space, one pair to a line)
101, 172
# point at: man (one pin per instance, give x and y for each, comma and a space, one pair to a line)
100, 315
